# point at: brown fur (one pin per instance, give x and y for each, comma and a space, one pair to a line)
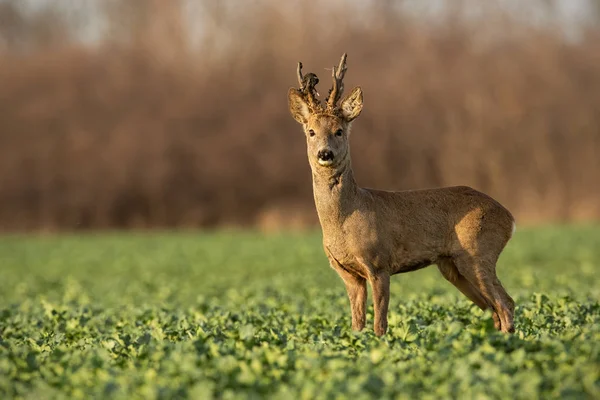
369, 235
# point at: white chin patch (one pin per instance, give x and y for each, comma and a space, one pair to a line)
325, 163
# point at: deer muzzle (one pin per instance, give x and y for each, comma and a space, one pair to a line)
325, 157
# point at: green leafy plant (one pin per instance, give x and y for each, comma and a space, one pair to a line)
241, 315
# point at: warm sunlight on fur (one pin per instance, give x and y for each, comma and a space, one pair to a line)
370, 235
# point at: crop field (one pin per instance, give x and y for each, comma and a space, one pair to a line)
244, 315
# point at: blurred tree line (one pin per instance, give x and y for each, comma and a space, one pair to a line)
172, 113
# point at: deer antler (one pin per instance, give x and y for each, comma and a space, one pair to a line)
300, 78
338, 85
307, 88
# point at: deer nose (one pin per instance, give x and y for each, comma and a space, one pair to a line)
325, 155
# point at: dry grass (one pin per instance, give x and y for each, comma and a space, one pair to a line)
148, 130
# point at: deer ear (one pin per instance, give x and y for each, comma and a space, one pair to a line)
352, 104
298, 106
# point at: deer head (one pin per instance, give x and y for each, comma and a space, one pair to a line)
326, 125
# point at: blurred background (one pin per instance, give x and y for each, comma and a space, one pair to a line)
135, 114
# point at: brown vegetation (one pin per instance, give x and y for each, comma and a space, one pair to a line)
149, 128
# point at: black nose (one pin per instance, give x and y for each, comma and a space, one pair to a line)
325, 155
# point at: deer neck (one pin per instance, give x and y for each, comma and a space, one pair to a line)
335, 192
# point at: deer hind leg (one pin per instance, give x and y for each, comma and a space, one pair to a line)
449, 271
507, 301
481, 274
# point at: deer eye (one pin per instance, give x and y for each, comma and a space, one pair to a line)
339, 132
311, 133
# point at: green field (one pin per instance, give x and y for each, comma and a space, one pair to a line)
242, 315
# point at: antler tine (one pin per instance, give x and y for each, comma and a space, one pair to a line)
307, 88
338, 84
300, 78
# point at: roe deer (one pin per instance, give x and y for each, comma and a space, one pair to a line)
369, 235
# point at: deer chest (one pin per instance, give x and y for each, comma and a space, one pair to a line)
341, 258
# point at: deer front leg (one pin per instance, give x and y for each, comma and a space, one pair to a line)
357, 293
380, 284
